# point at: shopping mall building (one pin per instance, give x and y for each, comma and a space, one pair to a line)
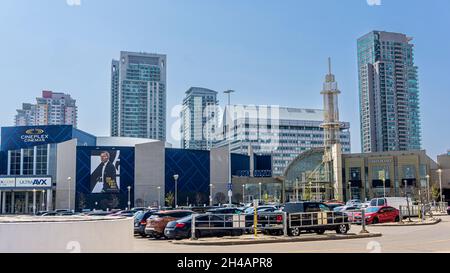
60, 167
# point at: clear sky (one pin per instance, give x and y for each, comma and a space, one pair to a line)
270, 52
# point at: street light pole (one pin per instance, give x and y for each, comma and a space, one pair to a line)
129, 197
42, 200
440, 183
384, 187
34, 201
243, 194
296, 189
428, 188
175, 177
210, 195
260, 192
228, 92
350, 190
159, 197
69, 179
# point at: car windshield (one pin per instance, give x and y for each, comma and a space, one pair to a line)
249, 210
185, 219
372, 209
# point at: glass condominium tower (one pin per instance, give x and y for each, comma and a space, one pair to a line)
138, 96
199, 119
388, 93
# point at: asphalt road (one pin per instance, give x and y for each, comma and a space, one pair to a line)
409, 239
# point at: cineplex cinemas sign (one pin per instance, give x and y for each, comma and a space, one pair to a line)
25, 182
34, 135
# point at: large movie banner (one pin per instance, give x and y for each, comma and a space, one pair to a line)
105, 171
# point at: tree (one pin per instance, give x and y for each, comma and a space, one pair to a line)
114, 202
198, 198
237, 197
220, 197
435, 193
170, 198
139, 202
82, 202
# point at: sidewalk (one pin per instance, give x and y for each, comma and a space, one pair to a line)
264, 239
414, 222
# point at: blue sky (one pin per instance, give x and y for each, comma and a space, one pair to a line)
270, 52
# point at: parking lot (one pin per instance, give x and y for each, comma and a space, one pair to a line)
407, 239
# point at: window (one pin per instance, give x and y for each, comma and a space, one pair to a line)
15, 162
28, 160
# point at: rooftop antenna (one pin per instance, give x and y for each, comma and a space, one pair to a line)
329, 65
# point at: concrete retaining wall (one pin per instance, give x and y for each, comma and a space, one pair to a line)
112, 235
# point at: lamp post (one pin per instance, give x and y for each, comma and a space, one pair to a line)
129, 197
260, 191
350, 190
69, 180
243, 194
440, 183
228, 92
34, 201
296, 189
210, 195
175, 177
42, 200
428, 188
159, 197
384, 187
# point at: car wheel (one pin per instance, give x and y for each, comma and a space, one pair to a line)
143, 235
397, 219
375, 221
320, 231
294, 231
157, 236
342, 229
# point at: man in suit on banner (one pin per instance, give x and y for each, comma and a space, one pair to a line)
106, 173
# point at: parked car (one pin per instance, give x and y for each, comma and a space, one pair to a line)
251, 210
353, 202
40, 213
365, 204
181, 229
136, 209
57, 213
346, 208
203, 209
310, 224
140, 221
375, 215
225, 211
333, 206
99, 213
125, 213
332, 202
448, 210
157, 222
395, 202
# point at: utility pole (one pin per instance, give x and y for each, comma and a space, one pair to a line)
230, 192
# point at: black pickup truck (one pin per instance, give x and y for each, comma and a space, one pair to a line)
304, 216
314, 217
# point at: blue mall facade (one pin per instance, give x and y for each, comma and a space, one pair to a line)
60, 167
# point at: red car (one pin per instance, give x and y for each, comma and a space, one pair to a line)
375, 215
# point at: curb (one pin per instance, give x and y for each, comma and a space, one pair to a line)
279, 240
406, 224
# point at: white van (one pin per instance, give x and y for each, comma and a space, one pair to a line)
395, 202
